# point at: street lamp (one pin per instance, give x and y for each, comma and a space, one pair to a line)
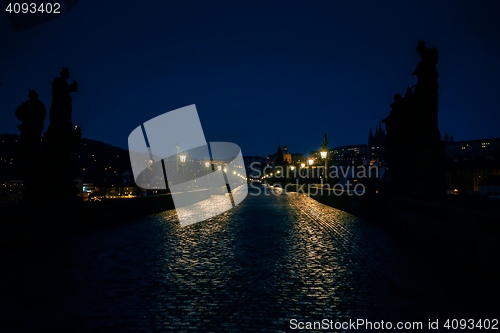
310, 161
207, 165
182, 157
324, 153
176, 154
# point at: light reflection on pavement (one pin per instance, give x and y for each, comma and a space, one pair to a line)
253, 268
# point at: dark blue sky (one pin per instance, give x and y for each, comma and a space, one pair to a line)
259, 72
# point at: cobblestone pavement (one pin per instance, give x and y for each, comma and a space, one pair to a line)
256, 267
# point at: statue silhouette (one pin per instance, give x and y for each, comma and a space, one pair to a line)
426, 69
32, 115
412, 126
424, 116
60, 108
29, 161
397, 124
61, 139
398, 134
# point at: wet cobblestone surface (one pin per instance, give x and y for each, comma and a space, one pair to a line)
252, 269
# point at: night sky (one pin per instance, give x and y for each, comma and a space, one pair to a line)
260, 73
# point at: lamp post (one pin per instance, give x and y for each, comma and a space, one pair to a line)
324, 155
310, 161
207, 165
302, 166
182, 157
177, 155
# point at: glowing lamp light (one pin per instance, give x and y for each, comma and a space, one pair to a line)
310, 161
323, 154
292, 168
302, 165
182, 157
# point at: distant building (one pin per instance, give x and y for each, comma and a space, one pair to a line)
120, 192
448, 139
376, 146
11, 190
278, 160
79, 184
490, 186
377, 140
350, 155
470, 162
297, 158
473, 149
284, 157
127, 177
287, 157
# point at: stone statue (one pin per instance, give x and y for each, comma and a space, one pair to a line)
426, 71
60, 109
28, 164
398, 134
61, 140
397, 124
415, 153
32, 115
424, 115
393, 122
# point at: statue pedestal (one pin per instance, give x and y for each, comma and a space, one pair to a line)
59, 166
427, 175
